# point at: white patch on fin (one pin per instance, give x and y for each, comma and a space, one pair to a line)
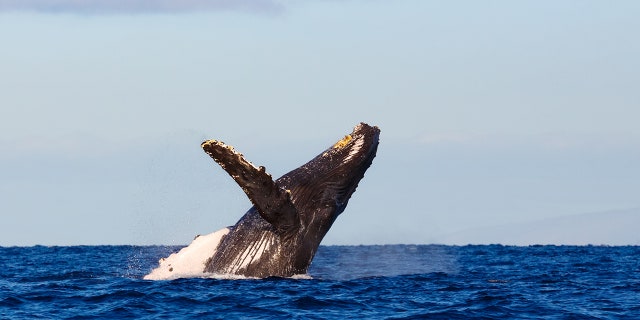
233, 150
189, 261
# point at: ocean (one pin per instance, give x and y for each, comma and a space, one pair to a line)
375, 282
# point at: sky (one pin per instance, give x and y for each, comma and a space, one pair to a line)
493, 114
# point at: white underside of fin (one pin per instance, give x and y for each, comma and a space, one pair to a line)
189, 262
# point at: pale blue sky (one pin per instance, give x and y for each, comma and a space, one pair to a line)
492, 112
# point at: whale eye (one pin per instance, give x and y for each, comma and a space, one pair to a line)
343, 142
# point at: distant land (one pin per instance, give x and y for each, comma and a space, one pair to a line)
614, 228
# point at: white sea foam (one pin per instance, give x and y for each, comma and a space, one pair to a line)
301, 277
189, 261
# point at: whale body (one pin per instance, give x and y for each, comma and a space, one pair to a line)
280, 234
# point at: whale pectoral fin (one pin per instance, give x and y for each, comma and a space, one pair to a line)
272, 202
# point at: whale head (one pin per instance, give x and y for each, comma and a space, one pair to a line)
333, 176
321, 188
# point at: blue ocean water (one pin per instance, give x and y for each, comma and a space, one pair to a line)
394, 282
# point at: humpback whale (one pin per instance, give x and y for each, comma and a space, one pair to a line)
280, 234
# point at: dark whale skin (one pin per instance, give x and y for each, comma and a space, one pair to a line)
280, 234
